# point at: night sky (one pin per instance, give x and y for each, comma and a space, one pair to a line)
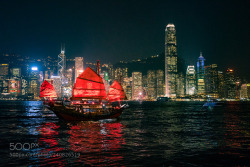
124, 29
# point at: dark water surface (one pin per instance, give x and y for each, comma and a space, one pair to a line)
147, 134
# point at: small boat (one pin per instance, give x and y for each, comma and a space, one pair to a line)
213, 103
89, 100
163, 99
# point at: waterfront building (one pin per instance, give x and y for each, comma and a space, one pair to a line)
111, 72
69, 77
57, 85
160, 83
200, 76
190, 81
121, 73
61, 64
4, 71
221, 85
211, 81
180, 91
34, 86
51, 66
230, 84
14, 87
248, 90
127, 86
137, 92
78, 66
170, 61
24, 87
244, 91
151, 85
15, 72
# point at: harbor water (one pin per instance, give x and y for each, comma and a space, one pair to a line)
146, 134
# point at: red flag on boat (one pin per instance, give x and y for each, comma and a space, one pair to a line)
116, 92
89, 85
47, 90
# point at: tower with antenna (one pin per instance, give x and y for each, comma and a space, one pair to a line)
62, 63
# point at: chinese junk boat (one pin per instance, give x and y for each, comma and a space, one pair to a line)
89, 100
47, 93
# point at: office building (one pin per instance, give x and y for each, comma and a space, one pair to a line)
170, 61
200, 76
212, 81
190, 81
137, 91
78, 66
160, 83
230, 84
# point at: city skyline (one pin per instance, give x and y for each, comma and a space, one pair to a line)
113, 30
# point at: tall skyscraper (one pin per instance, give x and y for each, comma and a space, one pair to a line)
151, 85
221, 85
200, 75
61, 64
190, 81
78, 66
211, 80
121, 73
230, 84
4, 71
160, 83
170, 61
180, 83
137, 93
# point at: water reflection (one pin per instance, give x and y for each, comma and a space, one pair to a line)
48, 143
97, 142
235, 135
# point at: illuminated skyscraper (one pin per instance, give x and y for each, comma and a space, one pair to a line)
61, 64
57, 85
78, 66
221, 84
34, 83
211, 80
230, 84
121, 73
243, 91
127, 86
151, 85
137, 93
160, 82
190, 81
4, 71
170, 61
200, 75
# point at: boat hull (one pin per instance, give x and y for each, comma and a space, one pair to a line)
72, 115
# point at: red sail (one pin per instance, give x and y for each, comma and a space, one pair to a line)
89, 85
116, 92
47, 90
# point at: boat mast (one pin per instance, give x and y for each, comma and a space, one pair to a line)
98, 72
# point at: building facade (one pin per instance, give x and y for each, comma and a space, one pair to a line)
200, 76
190, 81
230, 84
212, 81
137, 92
170, 61
78, 66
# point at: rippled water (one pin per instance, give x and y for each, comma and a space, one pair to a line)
147, 134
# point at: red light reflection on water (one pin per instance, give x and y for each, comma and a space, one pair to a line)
49, 144
97, 142
235, 136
